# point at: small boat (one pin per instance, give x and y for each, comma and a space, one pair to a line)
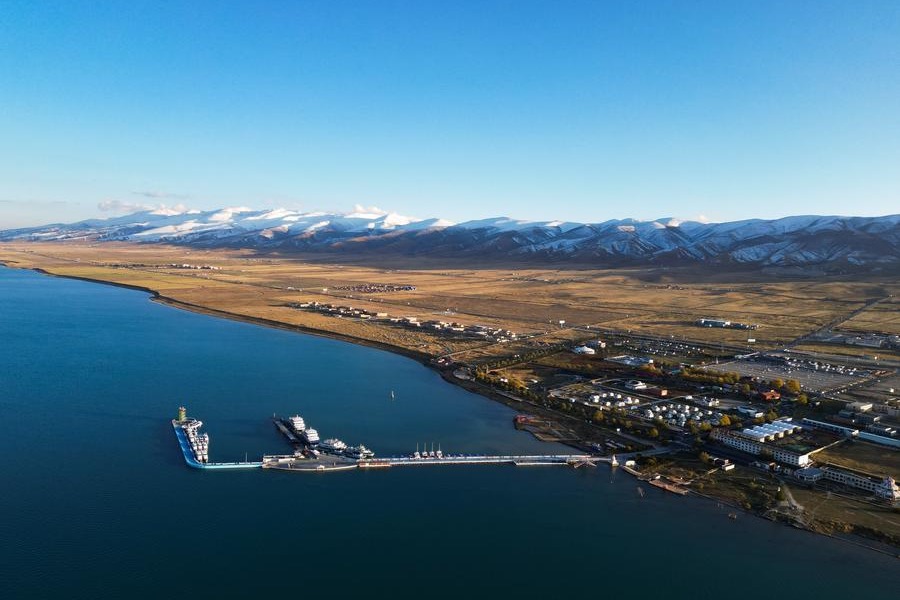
640, 492
732, 516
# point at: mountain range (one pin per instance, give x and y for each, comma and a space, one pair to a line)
800, 241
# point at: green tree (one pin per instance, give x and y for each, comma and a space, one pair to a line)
653, 433
792, 386
725, 421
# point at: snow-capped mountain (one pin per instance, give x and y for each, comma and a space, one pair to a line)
792, 241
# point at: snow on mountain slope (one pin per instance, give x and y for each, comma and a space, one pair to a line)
791, 241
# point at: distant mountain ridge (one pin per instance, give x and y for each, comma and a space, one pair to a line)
827, 241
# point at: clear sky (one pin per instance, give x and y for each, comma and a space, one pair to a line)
540, 110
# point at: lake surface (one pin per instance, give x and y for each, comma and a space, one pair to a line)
97, 502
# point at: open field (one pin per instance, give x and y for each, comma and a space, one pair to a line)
841, 511
526, 301
846, 512
883, 317
849, 351
862, 456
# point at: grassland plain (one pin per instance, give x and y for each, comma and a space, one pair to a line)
533, 301
885, 316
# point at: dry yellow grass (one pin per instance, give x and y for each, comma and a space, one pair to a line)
884, 317
523, 300
874, 459
854, 351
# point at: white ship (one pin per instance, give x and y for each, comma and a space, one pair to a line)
202, 448
358, 452
332, 446
199, 442
310, 436
298, 423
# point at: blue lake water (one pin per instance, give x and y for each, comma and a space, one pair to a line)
97, 502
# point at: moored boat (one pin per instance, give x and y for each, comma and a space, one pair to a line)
359, 452
332, 446
310, 436
298, 423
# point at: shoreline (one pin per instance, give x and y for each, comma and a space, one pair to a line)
852, 539
425, 360
156, 296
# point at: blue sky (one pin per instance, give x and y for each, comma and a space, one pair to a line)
540, 110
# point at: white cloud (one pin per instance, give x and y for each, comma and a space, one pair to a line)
124, 208
369, 210
161, 195
117, 206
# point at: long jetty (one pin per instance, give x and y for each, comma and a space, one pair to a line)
327, 462
304, 460
484, 459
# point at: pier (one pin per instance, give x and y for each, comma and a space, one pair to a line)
517, 460
192, 461
304, 459
328, 462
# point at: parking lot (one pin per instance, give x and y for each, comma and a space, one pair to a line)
812, 375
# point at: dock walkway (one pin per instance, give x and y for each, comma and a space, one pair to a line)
518, 460
337, 463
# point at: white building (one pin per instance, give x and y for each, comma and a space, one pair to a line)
790, 458
752, 445
706, 322
741, 443
771, 431
583, 350
883, 487
751, 412
845, 431
808, 474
